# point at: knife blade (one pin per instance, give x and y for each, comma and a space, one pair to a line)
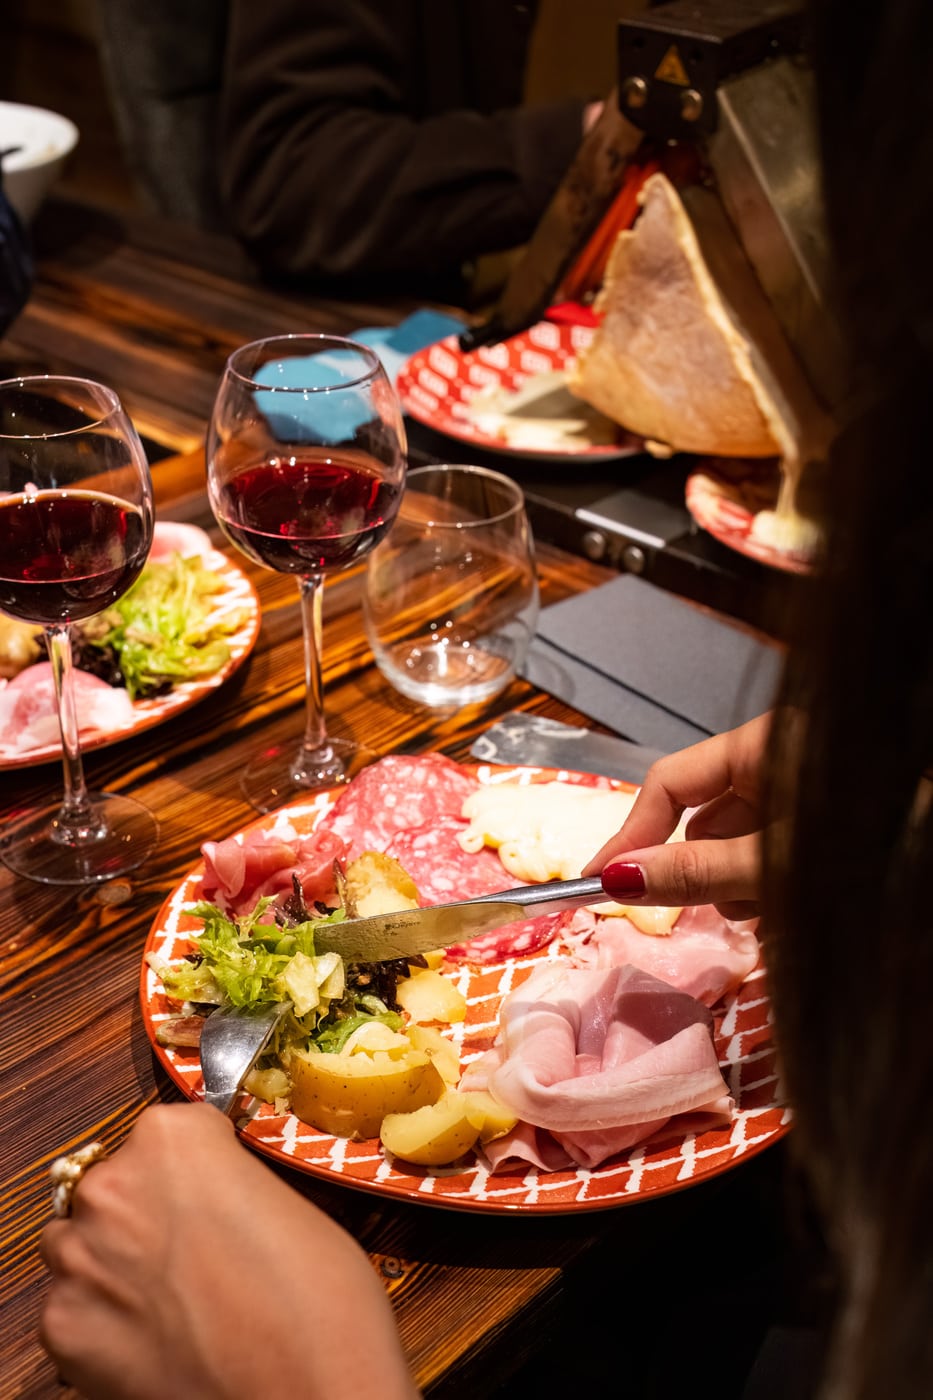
383, 937
534, 740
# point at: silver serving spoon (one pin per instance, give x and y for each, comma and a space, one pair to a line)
231, 1040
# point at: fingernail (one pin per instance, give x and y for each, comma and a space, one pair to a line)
623, 879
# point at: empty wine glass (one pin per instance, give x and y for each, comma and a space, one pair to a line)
451, 597
75, 529
305, 470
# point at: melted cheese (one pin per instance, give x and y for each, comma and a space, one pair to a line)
549, 831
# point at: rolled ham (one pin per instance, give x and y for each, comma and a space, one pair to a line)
600, 1060
704, 955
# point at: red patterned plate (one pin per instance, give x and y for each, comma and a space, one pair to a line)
237, 597
655, 1168
512, 397
724, 496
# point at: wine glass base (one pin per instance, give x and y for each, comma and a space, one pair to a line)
124, 834
280, 777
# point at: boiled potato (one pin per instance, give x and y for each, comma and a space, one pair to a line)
430, 996
378, 884
432, 1136
441, 1050
492, 1119
349, 1095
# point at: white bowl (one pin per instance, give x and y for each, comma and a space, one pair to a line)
45, 139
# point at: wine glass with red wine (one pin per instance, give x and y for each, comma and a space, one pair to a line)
305, 470
75, 529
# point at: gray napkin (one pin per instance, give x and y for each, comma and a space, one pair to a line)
651, 666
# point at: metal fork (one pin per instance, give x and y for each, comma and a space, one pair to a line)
232, 1039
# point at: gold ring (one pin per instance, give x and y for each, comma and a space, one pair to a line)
66, 1172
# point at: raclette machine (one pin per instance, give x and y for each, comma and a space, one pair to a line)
729, 78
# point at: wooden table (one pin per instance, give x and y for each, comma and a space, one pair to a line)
154, 313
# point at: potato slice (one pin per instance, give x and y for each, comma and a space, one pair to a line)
349, 1095
431, 1137
430, 996
490, 1116
441, 1050
378, 884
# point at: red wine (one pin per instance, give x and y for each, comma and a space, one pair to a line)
307, 514
65, 555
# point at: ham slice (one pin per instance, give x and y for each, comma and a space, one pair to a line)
601, 1059
704, 955
237, 873
28, 714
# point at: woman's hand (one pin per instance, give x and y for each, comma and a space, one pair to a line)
719, 863
189, 1269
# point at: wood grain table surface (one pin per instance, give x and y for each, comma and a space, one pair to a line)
154, 312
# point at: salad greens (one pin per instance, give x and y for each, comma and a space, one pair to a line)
250, 962
162, 629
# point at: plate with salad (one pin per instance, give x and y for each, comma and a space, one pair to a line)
374, 1079
185, 626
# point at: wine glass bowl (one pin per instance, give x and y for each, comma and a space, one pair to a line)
451, 596
76, 518
306, 468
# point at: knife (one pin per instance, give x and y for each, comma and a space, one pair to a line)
547, 743
382, 937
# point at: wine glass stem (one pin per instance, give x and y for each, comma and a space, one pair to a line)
312, 594
76, 815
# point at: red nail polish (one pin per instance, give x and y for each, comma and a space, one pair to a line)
623, 880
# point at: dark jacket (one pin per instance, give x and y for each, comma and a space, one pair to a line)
385, 138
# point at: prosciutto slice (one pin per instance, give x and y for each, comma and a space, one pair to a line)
28, 714
704, 955
237, 873
601, 1059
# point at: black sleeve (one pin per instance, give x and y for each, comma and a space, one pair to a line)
328, 172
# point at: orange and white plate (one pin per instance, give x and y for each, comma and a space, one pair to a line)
236, 598
512, 397
657, 1167
725, 494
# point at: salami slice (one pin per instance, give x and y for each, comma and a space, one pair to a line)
511, 941
395, 794
441, 869
444, 872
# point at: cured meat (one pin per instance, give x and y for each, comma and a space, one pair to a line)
237, 873
28, 715
396, 794
601, 1060
173, 537
705, 955
443, 871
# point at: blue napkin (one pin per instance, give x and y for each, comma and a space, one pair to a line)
395, 344
317, 417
